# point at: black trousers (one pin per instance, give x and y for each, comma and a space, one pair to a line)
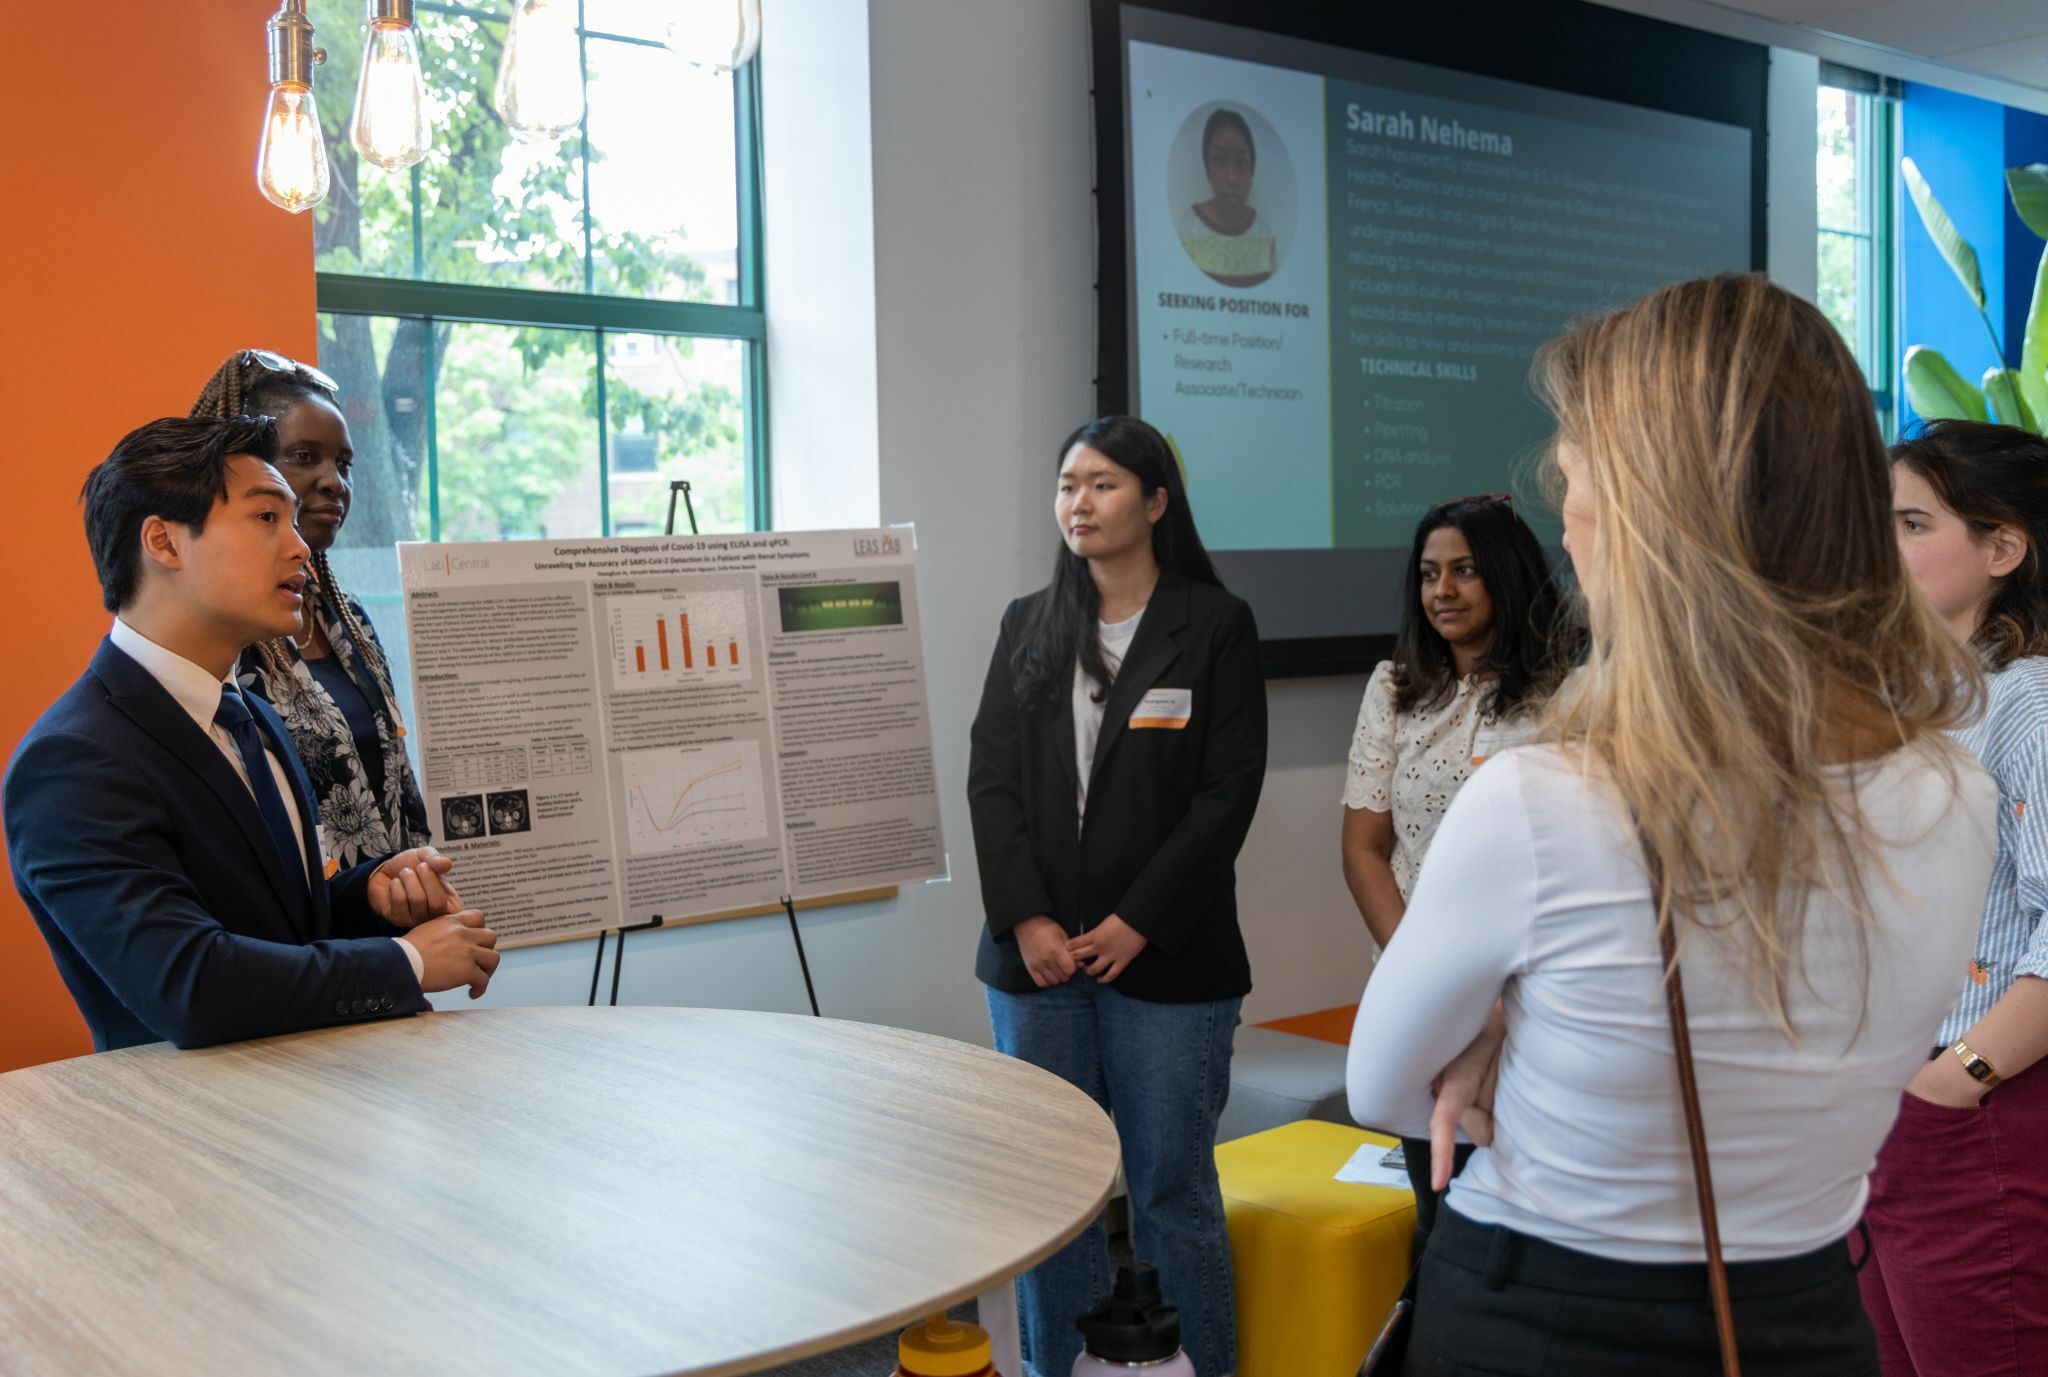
1495, 1303
1415, 1152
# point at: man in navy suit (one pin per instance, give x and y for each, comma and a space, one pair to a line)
159, 823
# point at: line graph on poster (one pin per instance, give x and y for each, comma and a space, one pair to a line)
678, 797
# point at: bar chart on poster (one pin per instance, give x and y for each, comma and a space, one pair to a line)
659, 639
624, 729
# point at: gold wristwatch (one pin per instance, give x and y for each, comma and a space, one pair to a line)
1980, 1070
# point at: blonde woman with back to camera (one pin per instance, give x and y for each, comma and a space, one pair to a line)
1759, 725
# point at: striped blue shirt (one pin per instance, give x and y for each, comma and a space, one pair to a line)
2011, 739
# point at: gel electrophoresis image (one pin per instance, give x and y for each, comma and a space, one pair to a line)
841, 606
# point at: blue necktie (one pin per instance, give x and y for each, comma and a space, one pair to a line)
234, 714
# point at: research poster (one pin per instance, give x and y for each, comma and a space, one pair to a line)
614, 730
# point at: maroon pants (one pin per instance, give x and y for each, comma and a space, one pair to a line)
1957, 1280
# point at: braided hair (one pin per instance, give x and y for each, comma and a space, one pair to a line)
245, 385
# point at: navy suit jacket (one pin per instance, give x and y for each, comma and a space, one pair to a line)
145, 863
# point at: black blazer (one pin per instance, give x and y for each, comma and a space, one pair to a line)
143, 859
1168, 809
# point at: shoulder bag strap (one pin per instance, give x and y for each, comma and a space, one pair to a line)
1695, 1132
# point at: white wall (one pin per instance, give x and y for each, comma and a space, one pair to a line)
819, 248
984, 260
1792, 220
981, 349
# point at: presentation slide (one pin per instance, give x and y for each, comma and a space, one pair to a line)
1341, 265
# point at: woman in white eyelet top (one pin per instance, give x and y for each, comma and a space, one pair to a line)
1410, 764
1477, 653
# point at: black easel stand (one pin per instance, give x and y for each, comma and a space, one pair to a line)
796, 935
676, 486
680, 487
618, 958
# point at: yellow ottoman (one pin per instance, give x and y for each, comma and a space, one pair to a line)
1318, 1261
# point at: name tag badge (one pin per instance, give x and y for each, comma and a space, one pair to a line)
1166, 709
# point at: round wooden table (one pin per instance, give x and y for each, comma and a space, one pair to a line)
550, 1190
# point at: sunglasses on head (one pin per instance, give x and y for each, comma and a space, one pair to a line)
277, 363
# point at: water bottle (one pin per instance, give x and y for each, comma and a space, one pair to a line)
944, 1348
1132, 1333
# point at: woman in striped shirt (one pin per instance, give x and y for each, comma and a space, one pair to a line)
1957, 1283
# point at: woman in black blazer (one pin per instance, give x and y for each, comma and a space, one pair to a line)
1117, 759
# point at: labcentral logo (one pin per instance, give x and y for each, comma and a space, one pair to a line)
871, 547
448, 564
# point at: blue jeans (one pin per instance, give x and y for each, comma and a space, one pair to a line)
1164, 1071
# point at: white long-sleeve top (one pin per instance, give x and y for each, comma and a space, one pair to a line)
1534, 892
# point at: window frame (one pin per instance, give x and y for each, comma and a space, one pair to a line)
1877, 211
601, 314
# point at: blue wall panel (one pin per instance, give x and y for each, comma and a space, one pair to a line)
1959, 144
2026, 141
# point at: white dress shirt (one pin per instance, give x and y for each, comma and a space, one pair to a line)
1534, 892
198, 693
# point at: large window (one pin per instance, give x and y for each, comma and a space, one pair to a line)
534, 339
1857, 194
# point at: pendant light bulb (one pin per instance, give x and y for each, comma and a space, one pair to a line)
718, 35
291, 156
389, 127
540, 78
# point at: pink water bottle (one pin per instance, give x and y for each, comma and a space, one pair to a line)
1133, 1332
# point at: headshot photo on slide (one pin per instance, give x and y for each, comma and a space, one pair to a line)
1230, 184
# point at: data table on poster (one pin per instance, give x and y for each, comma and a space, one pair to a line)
570, 756
456, 770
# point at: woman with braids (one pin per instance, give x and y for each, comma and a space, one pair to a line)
1114, 768
331, 682
1957, 1282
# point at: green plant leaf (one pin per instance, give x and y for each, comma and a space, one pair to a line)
1953, 246
1937, 391
2034, 349
2029, 188
2008, 405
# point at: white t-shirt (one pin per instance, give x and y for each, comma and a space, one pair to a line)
1534, 891
1115, 639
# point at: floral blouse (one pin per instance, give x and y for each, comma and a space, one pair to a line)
1412, 763
368, 810
1252, 253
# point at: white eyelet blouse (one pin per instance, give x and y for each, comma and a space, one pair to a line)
1412, 763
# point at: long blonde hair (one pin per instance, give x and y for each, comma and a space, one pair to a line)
1755, 625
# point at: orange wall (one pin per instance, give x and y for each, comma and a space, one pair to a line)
135, 254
